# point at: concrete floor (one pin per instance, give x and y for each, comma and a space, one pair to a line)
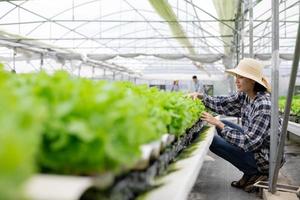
291, 169
213, 182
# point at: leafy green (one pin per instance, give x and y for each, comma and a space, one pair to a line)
295, 106
20, 121
94, 127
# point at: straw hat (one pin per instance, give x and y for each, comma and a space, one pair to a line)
251, 69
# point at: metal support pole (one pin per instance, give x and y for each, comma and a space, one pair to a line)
293, 77
274, 96
93, 72
104, 74
79, 69
14, 59
237, 42
42, 62
229, 62
242, 25
251, 28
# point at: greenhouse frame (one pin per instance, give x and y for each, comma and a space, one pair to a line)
131, 52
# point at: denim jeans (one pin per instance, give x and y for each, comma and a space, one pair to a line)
242, 160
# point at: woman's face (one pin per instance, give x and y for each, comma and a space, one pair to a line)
244, 84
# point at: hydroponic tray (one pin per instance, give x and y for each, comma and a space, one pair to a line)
129, 186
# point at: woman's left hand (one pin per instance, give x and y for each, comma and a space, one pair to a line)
195, 95
212, 120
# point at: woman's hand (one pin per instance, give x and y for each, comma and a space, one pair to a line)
195, 95
212, 120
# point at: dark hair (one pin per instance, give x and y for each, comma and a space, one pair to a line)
194, 77
259, 88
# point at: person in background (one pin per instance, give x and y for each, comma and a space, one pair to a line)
196, 86
175, 86
247, 147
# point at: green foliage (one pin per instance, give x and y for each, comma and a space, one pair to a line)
93, 127
184, 112
172, 110
20, 121
295, 107
69, 125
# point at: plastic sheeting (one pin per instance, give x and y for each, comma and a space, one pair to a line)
203, 58
226, 9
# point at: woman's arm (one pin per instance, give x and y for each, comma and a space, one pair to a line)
212, 120
225, 105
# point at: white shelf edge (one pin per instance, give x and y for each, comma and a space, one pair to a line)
294, 128
50, 187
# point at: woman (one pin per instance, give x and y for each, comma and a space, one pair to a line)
246, 147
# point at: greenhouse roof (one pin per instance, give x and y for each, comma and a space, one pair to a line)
144, 38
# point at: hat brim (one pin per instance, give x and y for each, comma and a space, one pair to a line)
244, 74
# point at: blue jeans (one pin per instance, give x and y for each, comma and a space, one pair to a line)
242, 160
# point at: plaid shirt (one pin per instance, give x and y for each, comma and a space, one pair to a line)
256, 120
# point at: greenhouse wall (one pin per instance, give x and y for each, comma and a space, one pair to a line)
284, 85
